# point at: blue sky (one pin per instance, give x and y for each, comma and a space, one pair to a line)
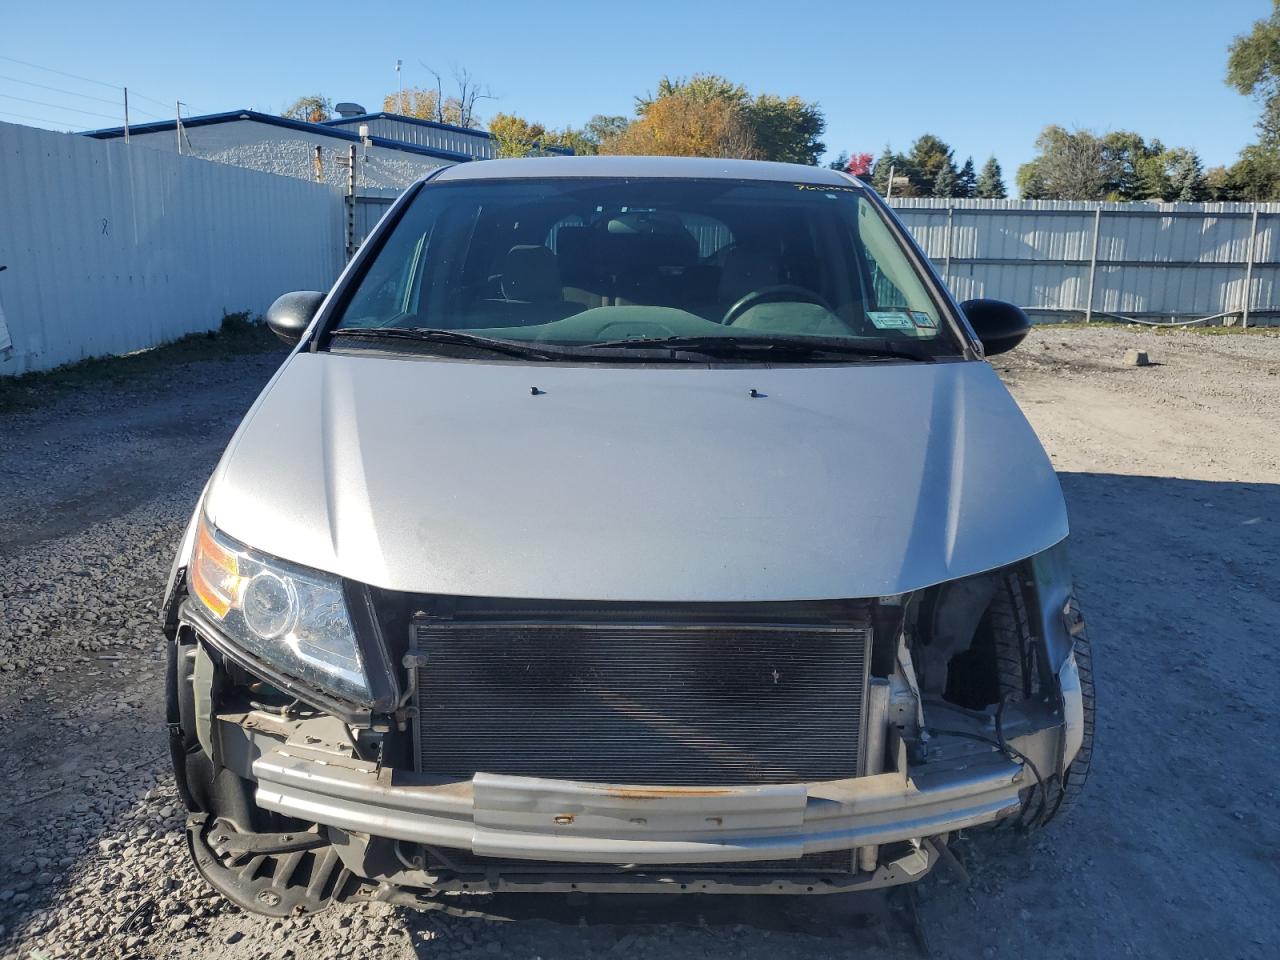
985, 76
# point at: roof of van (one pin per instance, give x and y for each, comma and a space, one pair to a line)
688, 168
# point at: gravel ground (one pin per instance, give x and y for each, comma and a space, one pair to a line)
1172, 473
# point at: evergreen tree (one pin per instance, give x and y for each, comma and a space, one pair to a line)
1186, 176
966, 180
990, 185
928, 155
880, 171
946, 182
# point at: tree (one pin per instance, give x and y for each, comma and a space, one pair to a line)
775, 127
841, 162
604, 127
1253, 59
895, 165
786, 129
1070, 166
990, 185
944, 184
966, 180
458, 108
700, 88
927, 157
683, 126
416, 102
515, 136
1031, 181
313, 109
1253, 69
1185, 175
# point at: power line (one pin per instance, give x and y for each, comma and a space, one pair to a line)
76, 76
73, 76
73, 93
58, 106
25, 116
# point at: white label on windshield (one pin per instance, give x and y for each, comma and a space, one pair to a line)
922, 319
890, 319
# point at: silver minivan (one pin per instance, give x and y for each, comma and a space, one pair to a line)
624, 524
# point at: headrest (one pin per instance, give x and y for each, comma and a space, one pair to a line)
530, 273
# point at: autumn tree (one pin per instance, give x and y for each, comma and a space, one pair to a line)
313, 109
418, 102
516, 136
682, 126
457, 107
765, 127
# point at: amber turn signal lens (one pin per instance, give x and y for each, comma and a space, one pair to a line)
215, 576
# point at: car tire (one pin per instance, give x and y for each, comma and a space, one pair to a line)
1011, 626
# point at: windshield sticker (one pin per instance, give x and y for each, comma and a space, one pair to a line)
922, 319
890, 319
826, 188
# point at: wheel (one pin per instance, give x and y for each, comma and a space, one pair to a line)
1015, 662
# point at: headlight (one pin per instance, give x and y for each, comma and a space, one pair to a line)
289, 616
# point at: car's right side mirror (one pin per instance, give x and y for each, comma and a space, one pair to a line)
999, 325
292, 313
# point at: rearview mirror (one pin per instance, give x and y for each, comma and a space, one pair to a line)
999, 325
292, 313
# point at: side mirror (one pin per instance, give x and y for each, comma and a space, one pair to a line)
999, 325
292, 313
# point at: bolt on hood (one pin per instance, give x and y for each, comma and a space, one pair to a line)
667, 483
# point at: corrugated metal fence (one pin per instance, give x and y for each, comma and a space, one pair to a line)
1068, 259
111, 249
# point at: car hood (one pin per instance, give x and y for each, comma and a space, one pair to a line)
670, 483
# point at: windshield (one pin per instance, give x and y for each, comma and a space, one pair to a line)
582, 262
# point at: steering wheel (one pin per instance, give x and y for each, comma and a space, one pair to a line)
782, 291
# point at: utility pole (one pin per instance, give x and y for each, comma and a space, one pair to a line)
126, 114
177, 126
889, 193
400, 86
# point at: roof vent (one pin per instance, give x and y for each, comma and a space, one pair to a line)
349, 110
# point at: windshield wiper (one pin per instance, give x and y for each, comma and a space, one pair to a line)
513, 348
765, 346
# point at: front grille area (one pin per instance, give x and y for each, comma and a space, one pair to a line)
621, 701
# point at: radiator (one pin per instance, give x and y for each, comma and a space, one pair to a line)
663, 703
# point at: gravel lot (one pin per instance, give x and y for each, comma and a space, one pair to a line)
1172, 473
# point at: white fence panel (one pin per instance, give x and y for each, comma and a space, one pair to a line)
112, 249
1145, 259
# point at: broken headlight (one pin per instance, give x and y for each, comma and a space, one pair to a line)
291, 617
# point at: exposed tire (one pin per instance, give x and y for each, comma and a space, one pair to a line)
1013, 634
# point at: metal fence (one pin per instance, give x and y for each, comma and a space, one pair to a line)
111, 248
369, 206
1065, 259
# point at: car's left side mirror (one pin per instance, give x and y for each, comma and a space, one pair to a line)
999, 325
292, 313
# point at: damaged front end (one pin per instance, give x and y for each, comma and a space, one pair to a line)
770, 747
